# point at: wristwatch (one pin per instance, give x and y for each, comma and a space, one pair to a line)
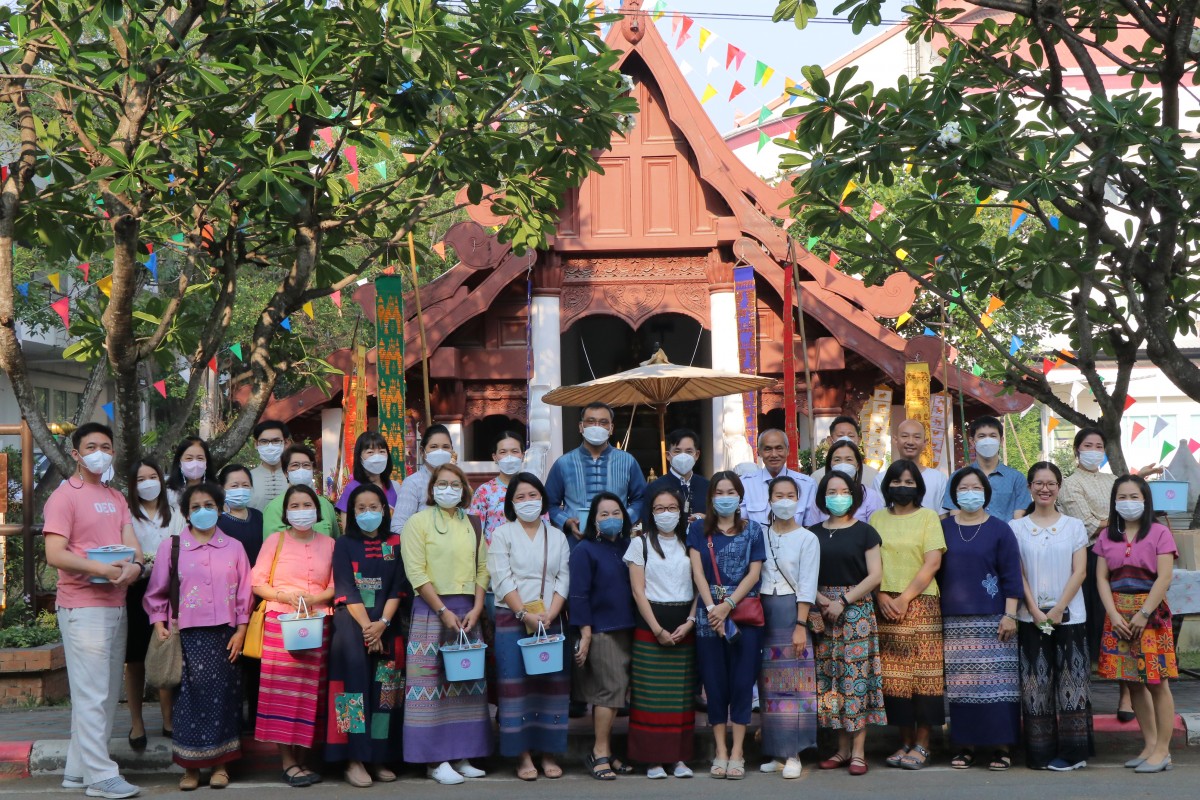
441, 611
1142, 611
801, 623
520, 615
387, 623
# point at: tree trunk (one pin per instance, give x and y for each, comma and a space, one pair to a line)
122, 349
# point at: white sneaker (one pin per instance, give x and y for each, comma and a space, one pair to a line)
792, 769
445, 774
656, 773
113, 789
770, 767
71, 782
682, 770
465, 769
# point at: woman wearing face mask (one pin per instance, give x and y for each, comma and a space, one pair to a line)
662, 718
528, 562
1137, 559
787, 683
372, 465
154, 521
488, 500
980, 580
299, 465
238, 519
190, 466
602, 609
910, 632
845, 457
1055, 668
849, 669
291, 698
445, 558
207, 599
366, 656
727, 554
437, 449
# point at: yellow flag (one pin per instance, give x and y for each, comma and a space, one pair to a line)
788, 83
901, 253
386, 138
55, 281
986, 320
994, 304
105, 285
705, 33
440, 248
766, 76
903, 318
709, 94
308, 309
850, 187
1051, 425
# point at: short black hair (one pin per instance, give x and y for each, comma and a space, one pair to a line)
229, 469
986, 421
298, 449
957, 478
302, 489
856, 492
590, 531
204, 487
272, 424
1116, 524
434, 430
843, 420
898, 468
516, 437
510, 511
1083, 433
845, 445
87, 429
1041, 465
352, 530
595, 405
371, 439
175, 479
679, 434
778, 479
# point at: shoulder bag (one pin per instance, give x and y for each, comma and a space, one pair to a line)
164, 659
747, 612
252, 645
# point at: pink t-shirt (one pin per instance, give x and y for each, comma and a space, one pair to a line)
1143, 554
88, 516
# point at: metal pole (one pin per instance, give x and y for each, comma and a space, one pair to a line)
29, 586
412, 261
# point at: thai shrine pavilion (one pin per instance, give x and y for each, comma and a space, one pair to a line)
644, 257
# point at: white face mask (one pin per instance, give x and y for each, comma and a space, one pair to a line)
149, 490
595, 435
302, 519
846, 469
1092, 459
683, 463
97, 462
784, 509
448, 497
438, 458
375, 464
528, 510
300, 477
1130, 510
270, 453
193, 470
667, 521
987, 448
510, 465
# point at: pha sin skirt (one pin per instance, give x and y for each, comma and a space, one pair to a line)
662, 711
849, 669
1150, 658
913, 676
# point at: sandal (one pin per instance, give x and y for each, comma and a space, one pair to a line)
895, 758
294, 776
620, 767
964, 760
1000, 761
736, 769
910, 761
834, 761
858, 766
599, 768
719, 768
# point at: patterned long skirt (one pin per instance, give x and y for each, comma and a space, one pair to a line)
787, 685
849, 668
366, 696
911, 652
662, 711
533, 708
983, 682
291, 691
443, 721
207, 718
1055, 694
1151, 659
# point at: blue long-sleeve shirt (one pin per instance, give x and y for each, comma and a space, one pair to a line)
577, 477
600, 592
980, 568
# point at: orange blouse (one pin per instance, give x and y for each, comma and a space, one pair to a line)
303, 566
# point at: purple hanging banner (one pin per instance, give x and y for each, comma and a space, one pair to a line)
747, 328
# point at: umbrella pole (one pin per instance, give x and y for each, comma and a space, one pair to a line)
662, 436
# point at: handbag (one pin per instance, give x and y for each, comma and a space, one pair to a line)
164, 659
750, 610
252, 645
539, 605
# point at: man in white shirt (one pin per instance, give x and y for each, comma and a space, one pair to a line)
846, 427
910, 444
773, 450
269, 479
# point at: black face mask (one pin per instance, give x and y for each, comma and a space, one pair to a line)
904, 495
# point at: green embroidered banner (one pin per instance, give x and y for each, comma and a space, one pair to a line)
389, 364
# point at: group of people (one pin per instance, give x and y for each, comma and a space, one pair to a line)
839, 601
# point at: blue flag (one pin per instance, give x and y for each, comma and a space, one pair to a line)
286, 324
108, 409
1015, 345
23, 288
152, 265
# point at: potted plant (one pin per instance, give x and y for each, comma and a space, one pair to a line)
33, 667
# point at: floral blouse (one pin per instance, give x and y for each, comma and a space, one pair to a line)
214, 582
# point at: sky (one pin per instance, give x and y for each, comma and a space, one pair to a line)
778, 45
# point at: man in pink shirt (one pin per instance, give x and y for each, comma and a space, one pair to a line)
81, 514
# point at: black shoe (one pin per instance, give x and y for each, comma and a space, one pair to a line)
577, 710
137, 742
166, 733
1125, 716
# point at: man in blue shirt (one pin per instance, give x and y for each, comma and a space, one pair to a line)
1010, 490
593, 467
683, 448
773, 450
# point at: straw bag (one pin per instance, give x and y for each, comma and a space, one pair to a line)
164, 660
252, 645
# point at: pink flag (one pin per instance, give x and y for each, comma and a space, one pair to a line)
876, 210
84, 268
161, 386
834, 258
733, 54
351, 154
1138, 430
326, 135
683, 32
1129, 401
336, 297
1193, 446
63, 309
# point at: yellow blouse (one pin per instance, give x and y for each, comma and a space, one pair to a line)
442, 549
906, 540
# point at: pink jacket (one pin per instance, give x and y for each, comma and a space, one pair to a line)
214, 582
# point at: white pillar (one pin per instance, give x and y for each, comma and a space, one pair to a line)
331, 437
456, 439
546, 338
729, 422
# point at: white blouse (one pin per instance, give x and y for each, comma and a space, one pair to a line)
669, 577
793, 562
1046, 555
515, 562
150, 535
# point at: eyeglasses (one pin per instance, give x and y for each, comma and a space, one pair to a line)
295, 465
448, 485
1045, 484
603, 423
270, 441
664, 509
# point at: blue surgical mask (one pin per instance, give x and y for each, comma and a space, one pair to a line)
368, 520
610, 527
838, 504
724, 506
203, 519
237, 498
970, 499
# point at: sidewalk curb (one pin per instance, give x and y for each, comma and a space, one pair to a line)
14, 760
1191, 723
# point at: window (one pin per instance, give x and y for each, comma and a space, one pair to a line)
43, 401
61, 410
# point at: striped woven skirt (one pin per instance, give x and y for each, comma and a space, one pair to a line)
443, 721
533, 708
1150, 659
849, 669
787, 685
207, 718
662, 712
1055, 694
983, 684
911, 652
291, 690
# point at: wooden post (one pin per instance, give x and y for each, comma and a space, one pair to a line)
412, 261
808, 393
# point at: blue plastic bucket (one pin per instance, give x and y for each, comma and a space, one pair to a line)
303, 630
542, 654
109, 554
464, 661
1170, 496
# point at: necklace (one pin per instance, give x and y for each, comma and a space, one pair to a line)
962, 527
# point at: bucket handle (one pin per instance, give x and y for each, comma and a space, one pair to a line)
302, 611
541, 632
463, 641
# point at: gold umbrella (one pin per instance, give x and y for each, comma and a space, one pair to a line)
657, 382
